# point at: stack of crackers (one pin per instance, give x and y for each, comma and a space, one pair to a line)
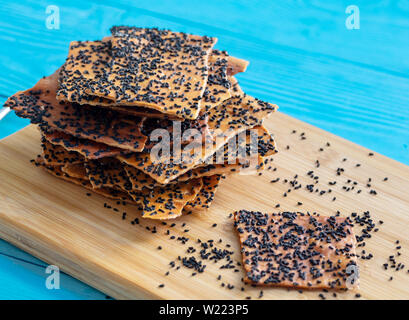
101, 113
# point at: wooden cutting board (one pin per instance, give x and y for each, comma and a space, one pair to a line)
57, 222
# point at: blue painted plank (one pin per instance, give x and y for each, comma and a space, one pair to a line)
353, 83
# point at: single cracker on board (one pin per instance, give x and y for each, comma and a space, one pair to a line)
296, 250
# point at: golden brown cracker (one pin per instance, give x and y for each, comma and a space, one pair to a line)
106, 192
265, 148
234, 65
235, 89
206, 195
75, 170
87, 65
167, 202
159, 69
57, 155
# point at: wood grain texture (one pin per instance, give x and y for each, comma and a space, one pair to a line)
58, 223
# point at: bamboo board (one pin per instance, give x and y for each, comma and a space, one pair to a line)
57, 222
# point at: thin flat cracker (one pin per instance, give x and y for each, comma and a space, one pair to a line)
136, 111
218, 89
218, 84
266, 147
239, 113
75, 170
108, 177
108, 127
107, 172
296, 250
206, 195
106, 192
140, 180
159, 69
242, 148
168, 201
209, 170
88, 62
200, 124
89, 149
161, 202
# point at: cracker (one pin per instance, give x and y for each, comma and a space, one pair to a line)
89, 149
296, 250
238, 114
225, 121
167, 202
200, 124
162, 202
140, 180
266, 142
242, 146
107, 172
109, 127
87, 65
57, 155
234, 65
75, 170
235, 89
106, 192
206, 195
158, 201
266, 148
137, 111
218, 85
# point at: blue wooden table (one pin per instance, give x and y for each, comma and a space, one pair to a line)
304, 57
